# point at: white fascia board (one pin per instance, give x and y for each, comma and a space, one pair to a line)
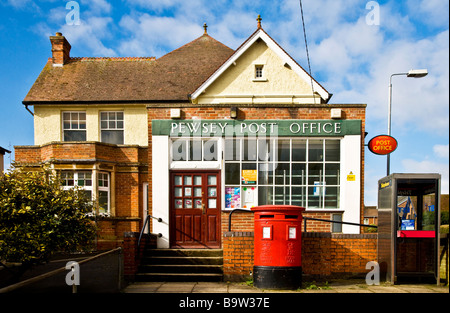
261, 34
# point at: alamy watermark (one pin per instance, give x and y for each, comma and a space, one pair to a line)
373, 277
373, 17
73, 277
73, 17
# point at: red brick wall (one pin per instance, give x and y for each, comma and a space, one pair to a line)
323, 254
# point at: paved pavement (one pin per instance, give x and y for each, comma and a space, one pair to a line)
342, 286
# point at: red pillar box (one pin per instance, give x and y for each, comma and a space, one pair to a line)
278, 247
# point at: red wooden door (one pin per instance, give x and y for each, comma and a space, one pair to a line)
195, 209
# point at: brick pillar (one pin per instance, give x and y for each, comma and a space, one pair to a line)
237, 256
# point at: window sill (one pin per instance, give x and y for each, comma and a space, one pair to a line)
260, 79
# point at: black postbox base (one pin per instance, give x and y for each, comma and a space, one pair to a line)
277, 277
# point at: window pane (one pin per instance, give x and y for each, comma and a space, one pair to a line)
265, 174
103, 201
103, 116
119, 116
112, 124
210, 150
298, 174
265, 150
332, 174
73, 135
299, 196
331, 197
249, 150
188, 180
315, 197
113, 136
232, 173
232, 149
179, 150
282, 174
315, 173
212, 180
315, 150
195, 150
298, 150
197, 180
282, 195
178, 180
265, 195
284, 150
332, 150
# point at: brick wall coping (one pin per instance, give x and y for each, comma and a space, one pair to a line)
238, 234
78, 142
308, 235
253, 105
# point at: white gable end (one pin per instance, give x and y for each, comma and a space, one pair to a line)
250, 59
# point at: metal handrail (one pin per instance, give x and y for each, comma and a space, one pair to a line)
231, 213
331, 221
305, 218
147, 219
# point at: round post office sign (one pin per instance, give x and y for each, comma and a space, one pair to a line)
382, 144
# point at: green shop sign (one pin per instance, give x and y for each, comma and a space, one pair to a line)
237, 128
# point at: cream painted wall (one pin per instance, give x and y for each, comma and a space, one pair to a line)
48, 123
237, 83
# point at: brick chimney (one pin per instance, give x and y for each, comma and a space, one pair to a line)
60, 49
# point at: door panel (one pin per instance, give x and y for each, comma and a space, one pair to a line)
195, 209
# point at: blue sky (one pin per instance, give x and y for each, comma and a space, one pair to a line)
353, 48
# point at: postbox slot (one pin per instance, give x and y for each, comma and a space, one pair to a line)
266, 216
291, 216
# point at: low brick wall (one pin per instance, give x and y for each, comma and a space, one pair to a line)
132, 255
323, 254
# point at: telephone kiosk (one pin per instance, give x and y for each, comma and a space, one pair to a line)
408, 227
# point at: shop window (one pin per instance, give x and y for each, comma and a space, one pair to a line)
303, 172
74, 126
112, 127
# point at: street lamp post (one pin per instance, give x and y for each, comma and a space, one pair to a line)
411, 73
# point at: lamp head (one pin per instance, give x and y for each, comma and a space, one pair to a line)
417, 73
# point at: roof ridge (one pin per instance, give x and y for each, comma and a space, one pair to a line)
112, 58
191, 42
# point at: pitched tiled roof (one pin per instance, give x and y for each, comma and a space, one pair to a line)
170, 78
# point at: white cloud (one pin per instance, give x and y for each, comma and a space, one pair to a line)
441, 151
88, 36
150, 34
429, 166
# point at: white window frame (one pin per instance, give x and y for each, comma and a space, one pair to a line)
289, 186
108, 125
95, 186
71, 122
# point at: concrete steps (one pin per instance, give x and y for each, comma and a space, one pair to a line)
183, 265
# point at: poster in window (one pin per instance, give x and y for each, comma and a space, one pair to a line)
232, 197
249, 177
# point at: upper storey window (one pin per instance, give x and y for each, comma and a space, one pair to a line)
259, 71
111, 124
74, 126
